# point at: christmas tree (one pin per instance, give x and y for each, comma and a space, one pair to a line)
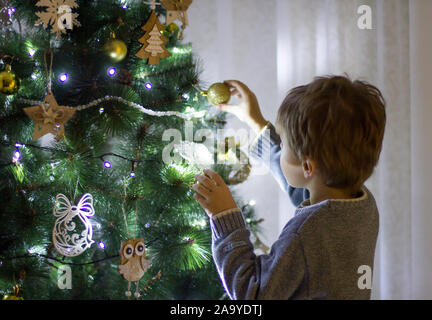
91, 207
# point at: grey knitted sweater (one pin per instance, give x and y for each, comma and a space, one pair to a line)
318, 253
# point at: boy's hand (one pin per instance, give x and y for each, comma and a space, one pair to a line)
248, 110
212, 193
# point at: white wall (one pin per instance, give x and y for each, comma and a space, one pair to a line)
421, 134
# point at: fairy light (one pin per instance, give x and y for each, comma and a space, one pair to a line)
132, 173
16, 156
112, 71
101, 245
31, 52
148, 86
101, 110
63, 77
107, 164
123, 4
54, 164
189, 109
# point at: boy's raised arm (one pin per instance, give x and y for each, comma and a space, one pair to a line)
266, 147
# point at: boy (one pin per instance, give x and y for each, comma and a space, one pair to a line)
331, 133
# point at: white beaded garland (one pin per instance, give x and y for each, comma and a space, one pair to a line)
143, 109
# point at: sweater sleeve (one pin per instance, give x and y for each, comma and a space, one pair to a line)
244, 275
266, 148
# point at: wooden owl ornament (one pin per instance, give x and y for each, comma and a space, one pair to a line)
134, 262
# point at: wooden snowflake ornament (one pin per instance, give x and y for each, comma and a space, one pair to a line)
58, 15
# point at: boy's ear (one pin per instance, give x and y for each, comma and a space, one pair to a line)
308, 168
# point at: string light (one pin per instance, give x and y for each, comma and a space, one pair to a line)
107, 164
101, 110
11, 11
63, 77
31, 52
101, 245
17, 156
17, 153
148, 86
112, 71
132, 174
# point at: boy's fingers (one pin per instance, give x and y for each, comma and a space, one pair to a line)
200, 200
240, 86
208, 183
216, 178
235, 92
203, 192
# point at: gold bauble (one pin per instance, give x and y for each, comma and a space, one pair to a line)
14, 295
11, 297
171, 30
172, 27
218, 93
115, 49
9, 82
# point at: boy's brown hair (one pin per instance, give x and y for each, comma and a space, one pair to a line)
337, 122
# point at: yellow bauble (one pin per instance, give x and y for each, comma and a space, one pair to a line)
12, 297
172, 27
115, 49
218, 93
171, 30
9, 82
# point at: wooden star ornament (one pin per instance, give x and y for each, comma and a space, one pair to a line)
49, 117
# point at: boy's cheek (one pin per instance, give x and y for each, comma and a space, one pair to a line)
293, 173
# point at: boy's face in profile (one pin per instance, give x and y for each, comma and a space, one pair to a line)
291, 166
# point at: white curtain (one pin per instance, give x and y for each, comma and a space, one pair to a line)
274, 45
